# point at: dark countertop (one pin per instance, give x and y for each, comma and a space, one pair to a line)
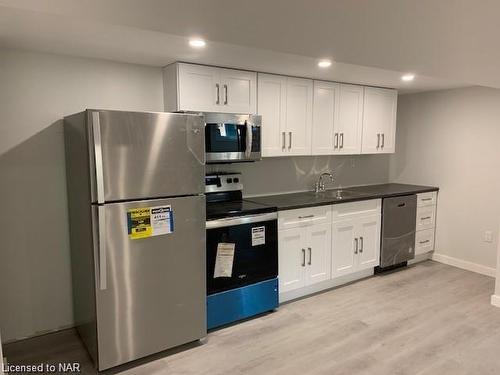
356, 193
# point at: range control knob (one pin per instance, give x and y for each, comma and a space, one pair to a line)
229, 180
236, 180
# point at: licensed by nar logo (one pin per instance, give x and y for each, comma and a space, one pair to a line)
43, 368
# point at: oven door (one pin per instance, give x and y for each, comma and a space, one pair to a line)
230, 142
251, 242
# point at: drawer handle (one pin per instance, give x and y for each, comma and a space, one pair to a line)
306, 217
426, 241
425, 218
426, 199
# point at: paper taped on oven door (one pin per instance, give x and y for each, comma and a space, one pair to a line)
224, 260
258, 236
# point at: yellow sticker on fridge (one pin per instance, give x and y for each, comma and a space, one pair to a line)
150, 221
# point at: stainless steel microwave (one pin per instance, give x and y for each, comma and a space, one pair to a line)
232, 138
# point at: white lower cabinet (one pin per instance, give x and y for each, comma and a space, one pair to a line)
356, 244
304, 256
425, 222
291, 259
319, 245
343, 246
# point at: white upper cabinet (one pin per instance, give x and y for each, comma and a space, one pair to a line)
299, 103
337, 118
325, 118
379, 121
350, 120
299, 116
190, 87
285, 105
272, 107
239, 91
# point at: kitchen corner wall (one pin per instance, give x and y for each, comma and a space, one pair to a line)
451, 139
36, 91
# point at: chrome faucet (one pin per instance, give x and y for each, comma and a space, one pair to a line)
319, 186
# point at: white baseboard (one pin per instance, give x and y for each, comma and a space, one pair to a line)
495, 300
464, 264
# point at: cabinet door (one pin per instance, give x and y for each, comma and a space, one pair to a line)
199, 88
350, 120
325, 117
299, 103
271, 106
318, 253
368, 233
292, 259
343, 247
379, 121
239, 91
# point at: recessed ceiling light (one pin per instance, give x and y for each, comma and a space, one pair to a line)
197, 43
324, 63
408, 77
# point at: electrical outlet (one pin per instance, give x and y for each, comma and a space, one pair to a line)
353, 163
488, 236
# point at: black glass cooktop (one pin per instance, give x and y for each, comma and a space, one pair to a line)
217, 210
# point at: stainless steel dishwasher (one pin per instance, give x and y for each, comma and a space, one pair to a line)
398, 231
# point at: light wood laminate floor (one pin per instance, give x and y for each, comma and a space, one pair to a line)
427, 319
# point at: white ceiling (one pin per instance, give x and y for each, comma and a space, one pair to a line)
447, 43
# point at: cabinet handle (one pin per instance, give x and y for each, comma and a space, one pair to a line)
425, 218
303, 257
217, 88
383, 140
426, 241
310, 255
290, 140
355, 246
378, 141
336, 141
306, 217
361, 244
341, 140
284, 141
225, 94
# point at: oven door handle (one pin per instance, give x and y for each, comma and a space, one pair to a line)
238, 220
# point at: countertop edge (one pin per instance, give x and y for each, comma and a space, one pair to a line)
421, 189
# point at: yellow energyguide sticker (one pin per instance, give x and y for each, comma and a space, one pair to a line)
139, 223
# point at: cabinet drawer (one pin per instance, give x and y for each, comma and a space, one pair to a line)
304, 217
424, 241
427, 199
426, 217
345, 211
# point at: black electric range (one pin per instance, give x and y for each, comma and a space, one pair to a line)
225, 199
242, 252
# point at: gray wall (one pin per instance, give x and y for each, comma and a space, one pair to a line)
288, 174
36, 91
451, 139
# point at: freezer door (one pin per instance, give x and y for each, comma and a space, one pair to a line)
137, 155
154, 294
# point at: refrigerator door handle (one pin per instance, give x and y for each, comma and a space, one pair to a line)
102, 248
96, 131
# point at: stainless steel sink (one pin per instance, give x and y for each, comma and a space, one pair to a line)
338, 194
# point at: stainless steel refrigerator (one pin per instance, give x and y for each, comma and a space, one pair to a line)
137, 229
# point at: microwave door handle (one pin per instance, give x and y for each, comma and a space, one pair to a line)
248, 148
